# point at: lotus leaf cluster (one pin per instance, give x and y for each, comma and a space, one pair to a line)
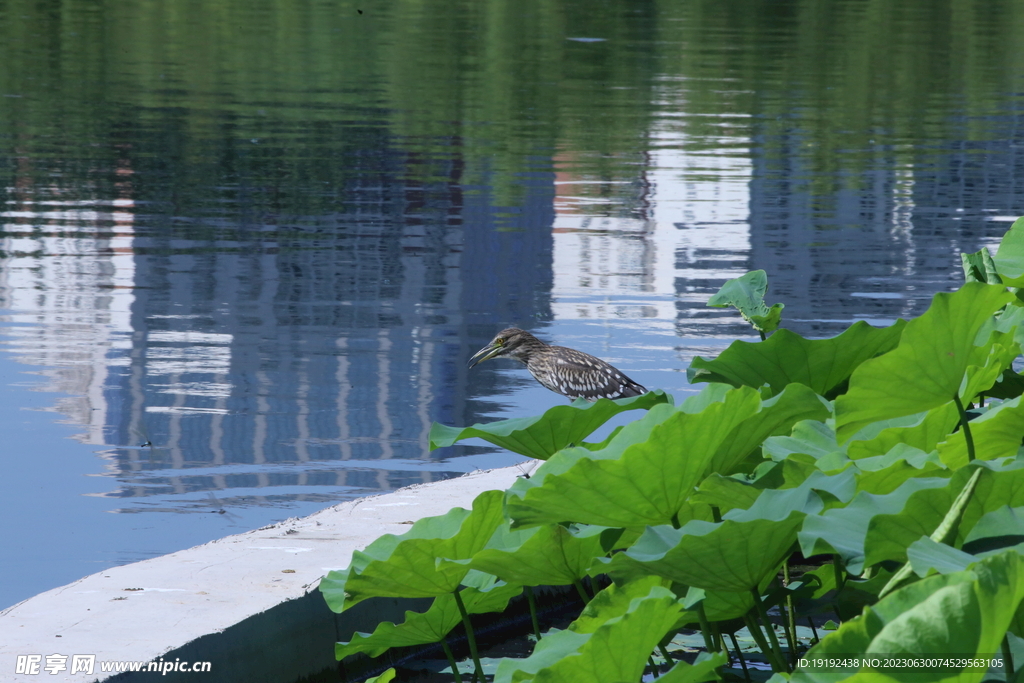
857, 499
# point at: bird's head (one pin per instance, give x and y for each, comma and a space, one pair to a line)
511, 342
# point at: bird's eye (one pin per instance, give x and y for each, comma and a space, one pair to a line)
499, 341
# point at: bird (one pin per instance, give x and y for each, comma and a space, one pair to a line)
565, 371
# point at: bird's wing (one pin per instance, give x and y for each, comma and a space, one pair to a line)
577, 374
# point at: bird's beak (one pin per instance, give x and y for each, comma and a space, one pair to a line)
489, 351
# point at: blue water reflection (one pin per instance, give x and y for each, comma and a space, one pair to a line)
237, 289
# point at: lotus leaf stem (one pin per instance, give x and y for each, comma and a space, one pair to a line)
716, 634
716, 514
1007, 657
664, 653
840, 580
654, 667
532, 602
763, 613
790, 615
581, 590
762, 643
739, 655
810, 622
451, 660
479, 669
675, 520
705, 627
966, 427
762, 335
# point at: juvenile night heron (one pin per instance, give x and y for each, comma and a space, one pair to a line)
566, 371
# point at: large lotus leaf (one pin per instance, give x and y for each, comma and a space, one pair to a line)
922, 430
1000, 528
746, 294
333, 585
553, 556
809, 437
996, 434
989, 363
777, 416
614, 652
927, 368
785, 474
715, 392
927, 556
824, 365
652, 480
541, 436
385, 677
648, 484
890, 533
726, 493
895, 467
564, 460
1010, 385
431, 626
704, 669
1009, 259
412, 570
966, 613
807, 497
843, 530
979, 267
741, 553
614, 601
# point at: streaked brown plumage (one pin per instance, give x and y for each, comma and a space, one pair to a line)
565, 371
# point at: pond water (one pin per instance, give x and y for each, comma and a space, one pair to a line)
264, 240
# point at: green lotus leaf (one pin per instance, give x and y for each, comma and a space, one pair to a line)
632, 433
824, 365
964, 612
333, 585
613, 652
1009, 259
885, 473
892, 532
726, 493
1010, 385
979, 267
808, 497
746, 294
407, 566
552, 555
995, 530
777, 416
431, 626
541, 436
809, 437
704, 669
843, 531
982, 374
926, 556
614, 601
742, 552
647, 484
650, 481
997, 434
927, 368
920, 430
385, 677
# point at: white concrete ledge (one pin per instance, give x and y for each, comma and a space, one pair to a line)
241, 602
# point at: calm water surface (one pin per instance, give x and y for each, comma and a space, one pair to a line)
264, 242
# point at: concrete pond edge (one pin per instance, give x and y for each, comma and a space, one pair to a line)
248, 604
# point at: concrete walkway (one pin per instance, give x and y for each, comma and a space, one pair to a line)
248, 604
